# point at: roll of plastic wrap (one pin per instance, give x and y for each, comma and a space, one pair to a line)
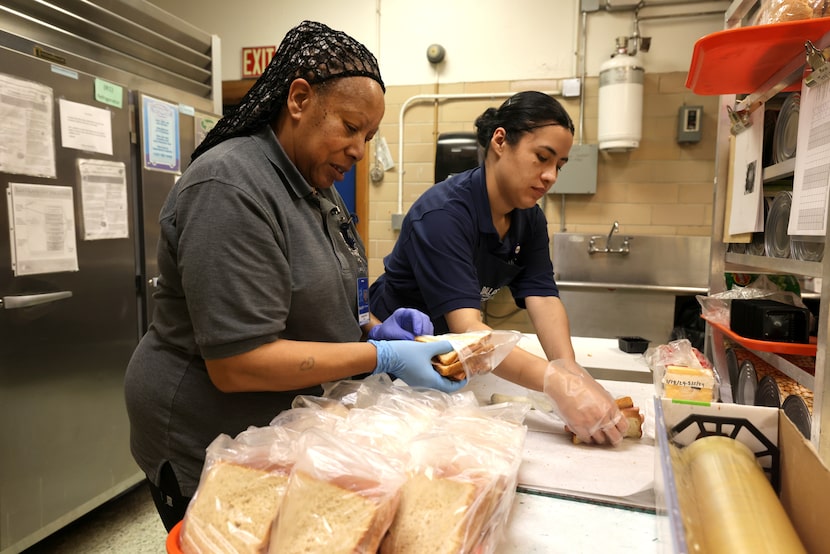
736, 507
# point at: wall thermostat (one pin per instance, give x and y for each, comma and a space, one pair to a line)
689, 120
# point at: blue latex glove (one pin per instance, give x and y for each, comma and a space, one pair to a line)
410, 361
403, 324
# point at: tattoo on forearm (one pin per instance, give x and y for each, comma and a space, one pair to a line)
307, 364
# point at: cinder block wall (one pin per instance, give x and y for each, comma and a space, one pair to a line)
661, 188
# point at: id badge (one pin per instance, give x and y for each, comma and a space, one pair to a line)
363, 300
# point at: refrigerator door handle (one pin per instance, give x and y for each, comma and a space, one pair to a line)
26, 300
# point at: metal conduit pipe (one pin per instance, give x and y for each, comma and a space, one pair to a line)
435, 97
583, 75
643, 5
672, 16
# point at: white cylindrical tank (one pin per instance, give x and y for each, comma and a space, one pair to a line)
620, 103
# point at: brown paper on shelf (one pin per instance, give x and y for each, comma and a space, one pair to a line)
744, 238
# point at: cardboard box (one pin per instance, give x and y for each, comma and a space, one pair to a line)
790, 461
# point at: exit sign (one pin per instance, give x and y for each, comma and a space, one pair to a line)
255, 59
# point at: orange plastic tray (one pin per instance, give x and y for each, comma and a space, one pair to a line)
797, 348
172, 543
740, 61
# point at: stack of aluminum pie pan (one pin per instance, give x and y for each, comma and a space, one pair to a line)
776, 238
786, 129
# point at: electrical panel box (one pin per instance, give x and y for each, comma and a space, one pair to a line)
579, 176
689, 120
571, 88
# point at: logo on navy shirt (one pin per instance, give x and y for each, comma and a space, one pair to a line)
489, 292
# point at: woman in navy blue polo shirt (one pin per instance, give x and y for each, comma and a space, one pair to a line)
478, 231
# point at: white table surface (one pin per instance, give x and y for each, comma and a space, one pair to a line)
563, 516
552, 463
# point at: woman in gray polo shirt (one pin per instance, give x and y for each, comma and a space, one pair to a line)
263, 281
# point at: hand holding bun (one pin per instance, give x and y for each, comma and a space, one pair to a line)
634, 419
460, 363
587, 408
410, 361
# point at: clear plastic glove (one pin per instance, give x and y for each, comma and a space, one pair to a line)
586, 407
403, 324
410, 361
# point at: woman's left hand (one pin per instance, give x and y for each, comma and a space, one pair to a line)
403, 324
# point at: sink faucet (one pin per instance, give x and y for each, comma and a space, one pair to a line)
615, 228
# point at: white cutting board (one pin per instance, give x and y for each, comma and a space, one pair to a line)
552, 463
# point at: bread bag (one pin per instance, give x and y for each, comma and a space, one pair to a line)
341, 497
781, 11
460, 486
239, 493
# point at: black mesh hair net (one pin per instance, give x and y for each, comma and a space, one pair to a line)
311, 51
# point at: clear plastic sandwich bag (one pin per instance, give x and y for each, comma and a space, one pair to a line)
240, 490
667, 360
476, 352
716, 307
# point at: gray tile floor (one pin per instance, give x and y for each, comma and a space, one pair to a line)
127, 524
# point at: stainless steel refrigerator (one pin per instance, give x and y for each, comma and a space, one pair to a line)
158, 174
78, 212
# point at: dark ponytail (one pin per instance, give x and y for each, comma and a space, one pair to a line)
519, 114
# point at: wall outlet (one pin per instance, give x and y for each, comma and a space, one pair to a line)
397, 222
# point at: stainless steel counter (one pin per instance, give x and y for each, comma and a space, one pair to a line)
552, 525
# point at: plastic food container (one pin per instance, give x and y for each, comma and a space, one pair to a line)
633, 345
172, 542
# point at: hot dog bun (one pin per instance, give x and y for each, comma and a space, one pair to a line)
632, 415
475, 352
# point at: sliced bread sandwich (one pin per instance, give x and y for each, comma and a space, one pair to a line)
327, 517
434, 517
233, 510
